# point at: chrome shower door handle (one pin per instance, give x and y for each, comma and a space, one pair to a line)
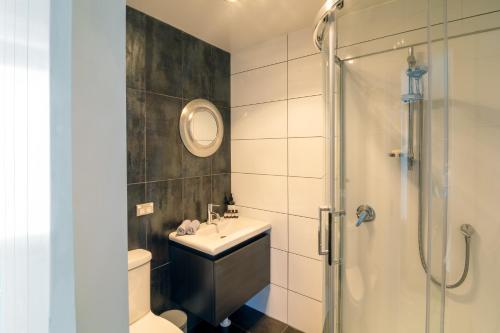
324, 211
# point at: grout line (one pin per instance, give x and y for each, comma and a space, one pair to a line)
221, 173
277, 249
182, 146
275, 175
180, 178
307, 177
275, 100
281, 138
263, 210
311, 298
259, 103
148, 221
303, 256
233, 323
305, 96
260, 67
251, 139
307, 137
276, 212
258, 174
276, 63
295, 253
287, 174
304, 56
286, 327
295, 292
277, 285
154, 93
306, 217
162, 265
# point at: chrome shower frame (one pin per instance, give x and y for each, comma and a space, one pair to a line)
322, 19
325, 26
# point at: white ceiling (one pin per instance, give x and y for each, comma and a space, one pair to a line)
232, 25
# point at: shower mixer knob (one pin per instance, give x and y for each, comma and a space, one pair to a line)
365, 213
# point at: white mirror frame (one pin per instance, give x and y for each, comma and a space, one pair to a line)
185, 124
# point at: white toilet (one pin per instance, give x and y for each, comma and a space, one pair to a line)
141, 319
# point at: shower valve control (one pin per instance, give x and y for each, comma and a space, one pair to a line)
364, 213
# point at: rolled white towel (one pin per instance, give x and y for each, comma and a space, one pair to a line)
193, 227
183, 228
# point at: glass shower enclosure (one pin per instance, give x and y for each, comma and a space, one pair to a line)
409, 227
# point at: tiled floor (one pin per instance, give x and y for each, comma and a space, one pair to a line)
247, 320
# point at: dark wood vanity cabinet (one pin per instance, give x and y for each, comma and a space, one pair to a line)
213, 288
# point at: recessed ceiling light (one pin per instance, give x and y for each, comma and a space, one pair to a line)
231, 0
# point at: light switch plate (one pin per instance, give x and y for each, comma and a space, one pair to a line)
145, 209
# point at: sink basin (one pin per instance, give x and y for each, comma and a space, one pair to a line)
231, 233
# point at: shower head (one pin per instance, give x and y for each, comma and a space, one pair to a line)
416, 71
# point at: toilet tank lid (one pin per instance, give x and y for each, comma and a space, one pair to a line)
138, 258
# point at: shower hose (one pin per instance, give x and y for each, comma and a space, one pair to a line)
467, 237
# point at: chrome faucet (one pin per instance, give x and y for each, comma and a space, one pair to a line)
211, 215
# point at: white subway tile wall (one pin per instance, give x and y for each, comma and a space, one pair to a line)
277, 94
268, 53
279, 268
303, 236
306, 157
266, 84
278, 167
273, 301
279, 224
246, 121
300, 44
305, 195
304, 313
308, 110
305, 276
260, 191
260, 156
305, 76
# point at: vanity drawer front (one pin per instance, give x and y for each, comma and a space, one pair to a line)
240, 275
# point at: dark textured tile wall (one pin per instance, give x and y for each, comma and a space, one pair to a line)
167, 68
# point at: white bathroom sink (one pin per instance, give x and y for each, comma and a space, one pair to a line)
231, 233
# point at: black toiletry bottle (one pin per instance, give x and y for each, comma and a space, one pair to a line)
226, 206
233, 211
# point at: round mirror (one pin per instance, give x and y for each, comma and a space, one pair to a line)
201, 127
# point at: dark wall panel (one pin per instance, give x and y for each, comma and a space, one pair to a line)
167, 68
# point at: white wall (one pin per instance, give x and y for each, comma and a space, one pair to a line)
62, 291
89, 167
277, 155
24, 166
99, 165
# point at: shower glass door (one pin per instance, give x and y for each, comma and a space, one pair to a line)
387, 112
